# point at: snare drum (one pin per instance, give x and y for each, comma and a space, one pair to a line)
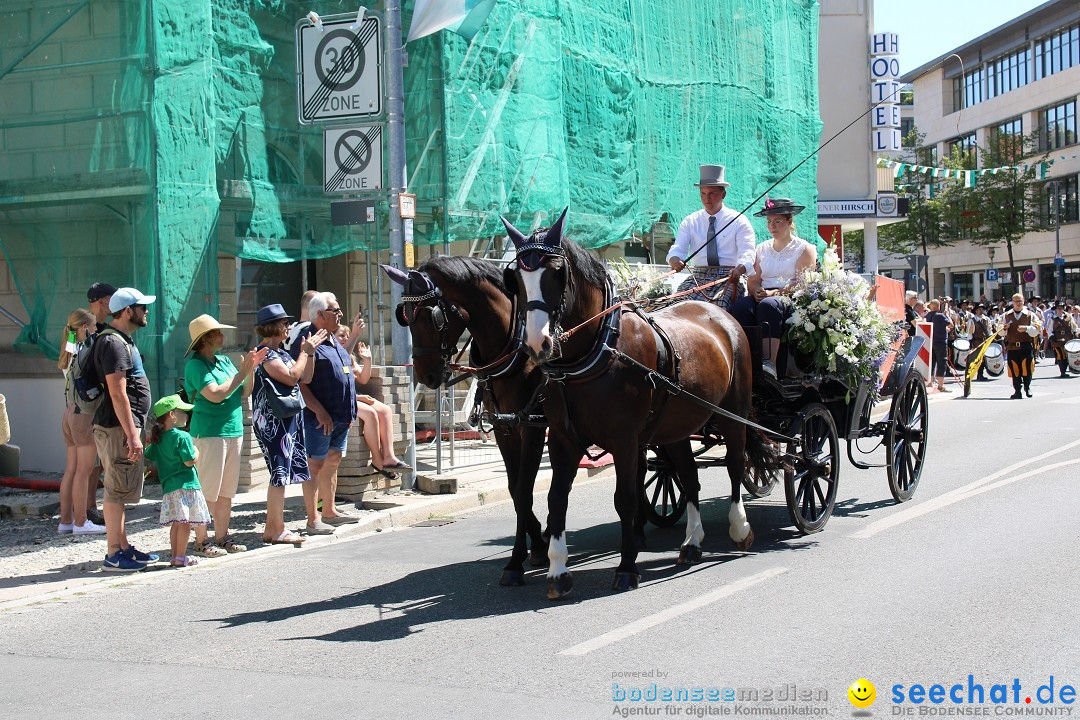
994, 359
1072, 352
961, 346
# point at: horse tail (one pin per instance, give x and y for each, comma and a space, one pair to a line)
761, 454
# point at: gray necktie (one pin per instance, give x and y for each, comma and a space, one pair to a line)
714, 257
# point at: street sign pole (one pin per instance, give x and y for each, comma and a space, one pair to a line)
395, 129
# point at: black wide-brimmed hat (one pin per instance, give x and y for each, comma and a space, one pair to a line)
779, 206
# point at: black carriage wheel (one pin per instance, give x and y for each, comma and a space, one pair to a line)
662, 494
905, 448
761, 486
811, 483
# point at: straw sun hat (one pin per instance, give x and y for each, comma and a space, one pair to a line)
202, 325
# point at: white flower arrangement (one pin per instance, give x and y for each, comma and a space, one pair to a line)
836, 323
638, 283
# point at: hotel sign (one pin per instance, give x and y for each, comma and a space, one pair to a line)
847, 208
884, 89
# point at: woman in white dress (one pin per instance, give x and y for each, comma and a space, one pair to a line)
777, 264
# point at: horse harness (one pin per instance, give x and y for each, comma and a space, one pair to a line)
440, 309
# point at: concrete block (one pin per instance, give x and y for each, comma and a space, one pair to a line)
105, 19
437, 484
15, 100
77, 25
14, 32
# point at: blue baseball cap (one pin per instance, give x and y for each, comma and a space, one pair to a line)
126, 297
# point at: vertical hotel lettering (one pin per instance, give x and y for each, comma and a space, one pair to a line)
884, 89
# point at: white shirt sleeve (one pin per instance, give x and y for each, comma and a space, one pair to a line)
682, 241
746, 242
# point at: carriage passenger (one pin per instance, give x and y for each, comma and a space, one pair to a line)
777, 264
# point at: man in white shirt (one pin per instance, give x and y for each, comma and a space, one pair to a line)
720, 241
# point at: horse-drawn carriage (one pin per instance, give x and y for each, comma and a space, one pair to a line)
809, 415
605, 373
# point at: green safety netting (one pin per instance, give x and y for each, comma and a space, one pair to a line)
141, 138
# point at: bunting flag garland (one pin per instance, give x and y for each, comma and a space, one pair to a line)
969, 177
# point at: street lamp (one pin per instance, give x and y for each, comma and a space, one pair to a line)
1059, 264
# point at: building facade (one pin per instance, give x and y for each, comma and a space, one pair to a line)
1019, 78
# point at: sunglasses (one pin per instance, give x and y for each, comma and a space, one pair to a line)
336, 311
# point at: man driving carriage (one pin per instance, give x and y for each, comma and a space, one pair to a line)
714, 240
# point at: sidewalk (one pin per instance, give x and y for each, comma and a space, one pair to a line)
37, 565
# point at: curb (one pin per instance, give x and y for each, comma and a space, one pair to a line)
481, 494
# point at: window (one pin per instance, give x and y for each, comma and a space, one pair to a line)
1057, 126
1008, 140
1066, 196
1007, 72
906, 125
965, 144
974, 92
1060, 50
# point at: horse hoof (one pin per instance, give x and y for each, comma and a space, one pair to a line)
625, 581
689, 554
560, 587
512, 578
538, 558
745, 544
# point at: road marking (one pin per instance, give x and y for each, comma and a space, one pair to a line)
671, 613
964, 492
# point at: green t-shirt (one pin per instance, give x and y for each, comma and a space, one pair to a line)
210, 419
169, 455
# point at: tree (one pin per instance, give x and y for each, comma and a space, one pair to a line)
926, 210
1003, 205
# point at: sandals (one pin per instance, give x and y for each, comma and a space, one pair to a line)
208, 549
286, 537
183, 561
388, 474
397, 466
231, 546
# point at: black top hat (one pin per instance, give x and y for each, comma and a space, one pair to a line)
271, 313
779, 206
98, 291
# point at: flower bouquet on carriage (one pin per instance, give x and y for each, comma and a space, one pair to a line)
837, 325
642, 283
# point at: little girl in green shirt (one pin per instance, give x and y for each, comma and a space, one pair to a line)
171, 450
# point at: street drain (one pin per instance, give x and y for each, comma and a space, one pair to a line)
432, 523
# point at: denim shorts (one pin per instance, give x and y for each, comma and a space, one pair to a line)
318, 444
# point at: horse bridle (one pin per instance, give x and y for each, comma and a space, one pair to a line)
531, 257
440, 311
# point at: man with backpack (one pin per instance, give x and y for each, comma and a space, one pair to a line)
118, 423
98, 297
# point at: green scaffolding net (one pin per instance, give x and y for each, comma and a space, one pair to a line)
142, 139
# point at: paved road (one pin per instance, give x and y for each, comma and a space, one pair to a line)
976, 576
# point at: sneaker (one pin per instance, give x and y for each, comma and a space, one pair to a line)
119, 562
320, 528
139, 556
94, 515
942, 388
88, 528
340, 519
64, 528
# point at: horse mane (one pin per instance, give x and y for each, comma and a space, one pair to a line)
466, 271
589, 267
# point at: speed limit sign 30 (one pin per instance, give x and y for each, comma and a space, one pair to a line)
339, 69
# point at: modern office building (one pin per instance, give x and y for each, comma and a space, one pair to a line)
1021, 77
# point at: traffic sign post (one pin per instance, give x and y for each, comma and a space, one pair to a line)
339, 69
352, 160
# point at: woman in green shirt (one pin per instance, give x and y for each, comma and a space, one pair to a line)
217, 391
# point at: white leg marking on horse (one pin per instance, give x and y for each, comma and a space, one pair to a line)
695, 533
557, 556
740, 528
536, 321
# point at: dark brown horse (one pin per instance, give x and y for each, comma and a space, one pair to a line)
444, 297
606, 387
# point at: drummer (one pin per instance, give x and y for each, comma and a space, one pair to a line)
979, 328
1062, 329
1021, 332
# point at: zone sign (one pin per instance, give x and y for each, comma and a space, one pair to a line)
339, 69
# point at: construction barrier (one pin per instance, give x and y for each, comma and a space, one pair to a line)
924, 359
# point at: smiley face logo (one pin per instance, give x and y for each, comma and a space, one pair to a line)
862, 693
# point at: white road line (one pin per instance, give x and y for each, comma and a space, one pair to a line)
671, 613
962, 493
